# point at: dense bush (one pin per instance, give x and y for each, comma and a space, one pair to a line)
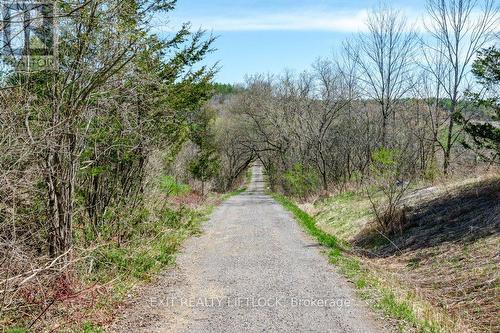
299, 182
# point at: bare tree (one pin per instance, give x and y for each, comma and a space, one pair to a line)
429, 94
459, 31
331, 96
234, 153
385, 59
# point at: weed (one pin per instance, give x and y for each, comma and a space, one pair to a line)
16, 330
172, 188
90, 328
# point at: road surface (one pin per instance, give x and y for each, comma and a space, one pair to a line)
252, 270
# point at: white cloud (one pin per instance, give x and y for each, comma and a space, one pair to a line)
307, 20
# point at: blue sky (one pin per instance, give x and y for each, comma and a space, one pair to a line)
259, 36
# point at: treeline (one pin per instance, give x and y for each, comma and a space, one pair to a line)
392, 107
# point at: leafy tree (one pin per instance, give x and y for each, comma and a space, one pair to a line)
486, 136
118, 93
224, 88
205, 164
204, 167
300, 182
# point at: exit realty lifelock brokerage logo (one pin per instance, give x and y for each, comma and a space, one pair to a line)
28, 35
249, 302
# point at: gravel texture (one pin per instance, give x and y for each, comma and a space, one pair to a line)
252, 270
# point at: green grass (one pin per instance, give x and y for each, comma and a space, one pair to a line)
151, 247
228, 195
173, 188
149, 250
403, 310
367, 284
16, 330
342, 214
309, 224
90, 328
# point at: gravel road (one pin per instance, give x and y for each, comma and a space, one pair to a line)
252, 270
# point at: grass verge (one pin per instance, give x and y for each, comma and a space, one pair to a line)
111, 265
148, 254
400, 308
309, 224
228, 195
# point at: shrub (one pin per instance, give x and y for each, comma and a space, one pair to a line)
300, 182
172, 187
388, 173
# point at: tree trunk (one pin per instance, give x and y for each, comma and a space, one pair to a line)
61, 163
384, 130
325, 182
60, 180
447, 150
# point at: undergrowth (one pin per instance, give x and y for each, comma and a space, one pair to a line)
110, 265
152, 249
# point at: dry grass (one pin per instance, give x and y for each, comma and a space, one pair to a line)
446, 257
43, 297
337, 215
459, 278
